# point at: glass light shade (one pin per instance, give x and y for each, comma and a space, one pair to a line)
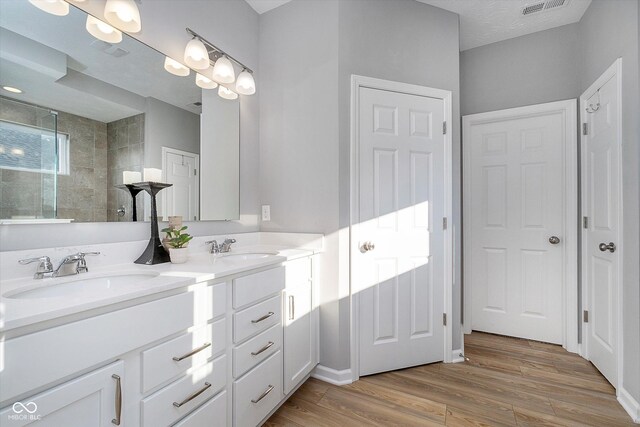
175, 68
205, 82
102, 30
223, 71
245, 84
225, 93
123, 14
54, 7
196, 55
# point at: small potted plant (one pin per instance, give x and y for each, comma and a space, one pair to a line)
178, 242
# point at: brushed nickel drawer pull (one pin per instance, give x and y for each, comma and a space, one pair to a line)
292, 307
192, 352
116, 420
264, 394
265, 317
263, 349
193, 396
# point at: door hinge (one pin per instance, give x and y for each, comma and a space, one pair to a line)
585, 316
444, 128
444, 223
444, 319
585, 222
195, 171
585, 129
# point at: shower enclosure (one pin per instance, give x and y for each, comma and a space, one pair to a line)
32, 156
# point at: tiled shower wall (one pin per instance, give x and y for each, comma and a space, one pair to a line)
82, 195
125, 142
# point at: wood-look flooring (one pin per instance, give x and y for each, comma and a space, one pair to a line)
505, 382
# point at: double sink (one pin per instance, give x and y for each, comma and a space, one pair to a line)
106, 284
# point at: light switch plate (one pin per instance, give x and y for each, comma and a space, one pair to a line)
266, 212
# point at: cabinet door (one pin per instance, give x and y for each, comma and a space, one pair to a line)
92, 400
299, 334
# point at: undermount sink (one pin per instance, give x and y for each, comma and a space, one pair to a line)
81, 287
247, 256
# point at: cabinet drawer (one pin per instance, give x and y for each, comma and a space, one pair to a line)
252, 288
103, 337
258, 392
257, 349
193, 348
162, 408
211, 414
257, 318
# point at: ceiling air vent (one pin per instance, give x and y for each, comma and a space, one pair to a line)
543, 6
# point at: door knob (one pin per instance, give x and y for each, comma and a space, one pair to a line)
554, 240
611, 247
367, 246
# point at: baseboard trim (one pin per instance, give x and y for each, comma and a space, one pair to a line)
332, 376
457, 356
629, 404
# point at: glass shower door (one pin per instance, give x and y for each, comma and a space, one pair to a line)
29, 161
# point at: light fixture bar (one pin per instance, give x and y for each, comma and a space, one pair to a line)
217, 49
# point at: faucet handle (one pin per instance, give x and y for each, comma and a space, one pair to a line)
82, 263
42, 259
44, 266
229, 240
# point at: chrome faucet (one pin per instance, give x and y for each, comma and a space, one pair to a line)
72, 264
220, 248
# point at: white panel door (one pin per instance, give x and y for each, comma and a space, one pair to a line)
601, 196
515, 183
401, 277
181, 170
299, 334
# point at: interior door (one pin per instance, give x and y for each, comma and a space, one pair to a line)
400, 263
516, 185
601, 206
181, 170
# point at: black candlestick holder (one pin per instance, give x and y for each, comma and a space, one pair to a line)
155, 253
133, 190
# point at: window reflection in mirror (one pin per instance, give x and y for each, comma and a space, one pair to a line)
87, 111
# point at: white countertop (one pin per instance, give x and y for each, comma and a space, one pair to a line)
201, 267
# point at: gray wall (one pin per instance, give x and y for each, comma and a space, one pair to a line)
609, 30
304, 112
532, 69
233, 26
299, 140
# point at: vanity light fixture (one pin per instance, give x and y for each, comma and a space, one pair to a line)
196, 55
12, 89
245, 84
226, 93
223, 71
175, 68
54, 7
123, 14
205, 82
102, 30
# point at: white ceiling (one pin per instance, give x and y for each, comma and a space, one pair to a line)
262, 6
487, 21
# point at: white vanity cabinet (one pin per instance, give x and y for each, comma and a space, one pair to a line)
213, 354
300, 323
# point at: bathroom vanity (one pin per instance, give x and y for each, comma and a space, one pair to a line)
218, 341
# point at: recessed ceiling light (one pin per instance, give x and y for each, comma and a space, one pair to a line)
11, 89
17, 151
